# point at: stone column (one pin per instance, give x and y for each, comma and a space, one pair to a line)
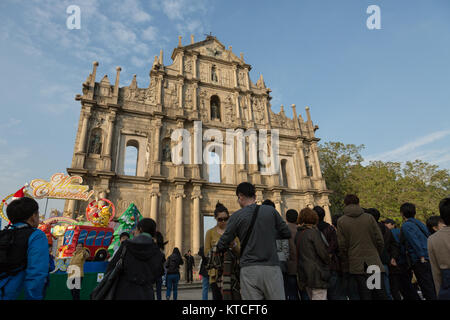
194, 97
181, 66
70, 209
154, 195
156, 147
84, 127
238, 108
247, 80
159, 90
194, 66
326, 207
111, 117
196, 235
179, 195
314, 150
302, 158
235, 75
278, 202
180, 94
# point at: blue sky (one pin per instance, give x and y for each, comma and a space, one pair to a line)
388, 89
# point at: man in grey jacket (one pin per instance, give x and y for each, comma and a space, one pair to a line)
260, 276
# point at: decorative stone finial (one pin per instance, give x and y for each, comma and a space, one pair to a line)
192, 39
161, 57
118, 69
179, 41
230, 48
242, 56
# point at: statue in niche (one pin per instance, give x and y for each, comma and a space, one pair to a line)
214, 74
95, 146
166, 151
308, 166
215, 108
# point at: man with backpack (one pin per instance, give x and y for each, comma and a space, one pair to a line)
414, 235
257, 228
24, 257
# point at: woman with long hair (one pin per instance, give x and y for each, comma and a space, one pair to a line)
173, 263
213, 235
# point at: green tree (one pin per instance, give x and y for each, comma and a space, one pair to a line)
336, 161
382, 185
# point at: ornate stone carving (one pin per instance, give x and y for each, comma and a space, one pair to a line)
171, 95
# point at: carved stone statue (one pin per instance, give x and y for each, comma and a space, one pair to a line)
214, 74
95, 146
166, 152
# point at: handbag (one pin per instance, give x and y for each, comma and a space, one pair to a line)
106, 289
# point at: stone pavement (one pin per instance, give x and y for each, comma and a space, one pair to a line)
188, 291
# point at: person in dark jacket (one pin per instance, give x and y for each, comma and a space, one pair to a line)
390, 249
292, 292
313, 257
190, 264
30, 276
204, 273
173, 263
142, 264
414, 234
335, 284
161, 244
399, 274
360, 246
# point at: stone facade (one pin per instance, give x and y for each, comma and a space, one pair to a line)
205, 82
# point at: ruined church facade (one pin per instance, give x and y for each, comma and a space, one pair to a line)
206, 82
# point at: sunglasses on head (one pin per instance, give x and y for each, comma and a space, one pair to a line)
222, 219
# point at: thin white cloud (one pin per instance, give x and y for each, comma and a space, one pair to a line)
417, 150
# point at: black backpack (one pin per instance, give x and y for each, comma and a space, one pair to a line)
13, 249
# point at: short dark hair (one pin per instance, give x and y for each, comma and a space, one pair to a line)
374, 212
335, 218
320, 212
351, 199
220, 208
124, 234
444, 210
408, 210
147, 225
246, 189
268, 202
20, 210
433, 221
291, 216
389, 221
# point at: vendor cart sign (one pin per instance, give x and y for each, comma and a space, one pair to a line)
61, 186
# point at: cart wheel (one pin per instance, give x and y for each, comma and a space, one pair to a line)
101, 255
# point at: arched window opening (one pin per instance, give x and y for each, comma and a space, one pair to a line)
213, 166
95, 143
131, 158
215, 107
284, 173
